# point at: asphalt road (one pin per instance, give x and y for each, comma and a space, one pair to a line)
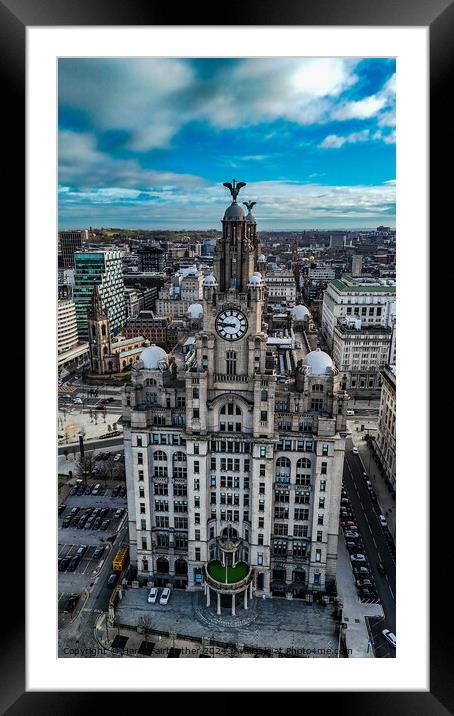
372, 535
92, 445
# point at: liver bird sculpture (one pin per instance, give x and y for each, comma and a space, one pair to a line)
234, 188
249, 205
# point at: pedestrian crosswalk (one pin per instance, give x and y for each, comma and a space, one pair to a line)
62, 389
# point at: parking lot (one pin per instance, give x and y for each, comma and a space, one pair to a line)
87, 515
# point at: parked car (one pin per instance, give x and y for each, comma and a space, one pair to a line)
358, 558
361, 571
73, 490
80, 490
96, 489
73, 563
364, 583
165, 596
373, 496
390, 637
369, 485
63, 564
118, 513
381, 568
82, 549
117, 457
75, 510
153, 595
122, 491
97, 523
104, 512
89, 523
71, 603
367, 594
61, 509
66, 521
99, 551
115, 491
111, 582
77, 401
353, 546
383, 521
88, 490
350, 412
105, 525
351, 535
355, 451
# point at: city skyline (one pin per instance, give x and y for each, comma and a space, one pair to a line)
145, 143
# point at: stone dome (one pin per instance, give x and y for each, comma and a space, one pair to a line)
195, 310
318, 362
255, 280
234, 212
262, 258
300, 313
151, 357
210, 280
250, 218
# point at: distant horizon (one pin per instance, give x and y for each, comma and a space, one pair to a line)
210, 227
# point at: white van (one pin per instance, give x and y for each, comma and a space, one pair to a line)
350, 412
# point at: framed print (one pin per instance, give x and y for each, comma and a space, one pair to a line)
222, 417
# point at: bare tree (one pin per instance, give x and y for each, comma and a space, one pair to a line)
85, 465
146, 624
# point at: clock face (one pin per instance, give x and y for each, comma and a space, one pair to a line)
231, 324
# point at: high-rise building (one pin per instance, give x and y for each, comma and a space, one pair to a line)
102, 269
151, 259
385, 445
234, 446
357, 265
68, 243
369, 300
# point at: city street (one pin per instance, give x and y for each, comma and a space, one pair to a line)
376, 546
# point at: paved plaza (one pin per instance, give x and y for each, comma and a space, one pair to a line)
292, 628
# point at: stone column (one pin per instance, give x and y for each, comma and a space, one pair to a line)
223, 559
250, 589
245, 598
218, 610
233, 605
208, 596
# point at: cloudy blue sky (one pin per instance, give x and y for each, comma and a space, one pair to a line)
149, 142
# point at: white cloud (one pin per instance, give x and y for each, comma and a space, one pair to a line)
151, 100
81, 164
371, 106
333, 141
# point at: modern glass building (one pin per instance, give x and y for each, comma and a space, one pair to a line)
104, 269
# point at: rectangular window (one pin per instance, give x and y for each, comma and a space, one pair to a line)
144, 543
259, 558
143, 524
261, 488
139, 441
196, 467
324, 468
325, 449
321, 502
196, 485
322, 485
260, 539
261, 523
197, 502
318, 555
141, 492
197, 535
197, 554
140, 458
196, 449
319, 536
140, 472
213, 463
196, 518
263, 452
196, 413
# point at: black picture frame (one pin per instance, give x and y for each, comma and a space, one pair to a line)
15, 17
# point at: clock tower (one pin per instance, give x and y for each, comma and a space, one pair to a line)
233, 297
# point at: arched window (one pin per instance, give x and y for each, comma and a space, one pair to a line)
283, 469
151, 397
110, 366
317, 388
105, 350
159, 455
303, 464
179, 457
